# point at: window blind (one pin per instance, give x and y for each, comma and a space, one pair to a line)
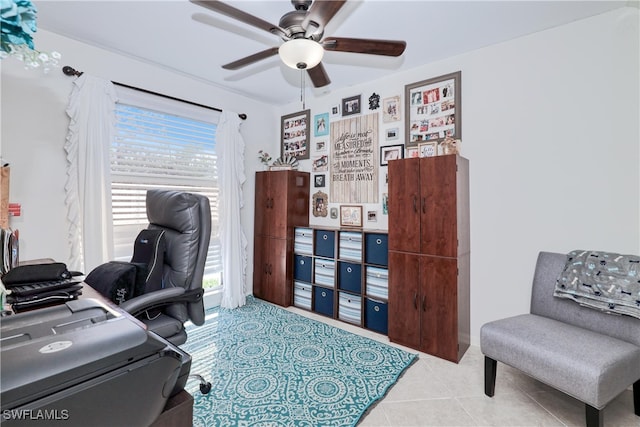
161, 143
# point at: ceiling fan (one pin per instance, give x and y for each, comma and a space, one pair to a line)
302, 31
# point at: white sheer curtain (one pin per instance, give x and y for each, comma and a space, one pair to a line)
230, 150
88, 188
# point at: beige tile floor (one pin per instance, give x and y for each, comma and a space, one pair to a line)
435, 392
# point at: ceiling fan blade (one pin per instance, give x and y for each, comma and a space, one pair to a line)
318, 76
368, 46
225, 9
321, 12
251, 59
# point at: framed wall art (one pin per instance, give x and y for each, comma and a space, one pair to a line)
350, 216
391, 109
294, 131
412, 152
321, 124
432, 109
391, 152
351, 105
393, 133
320, 201
428, 149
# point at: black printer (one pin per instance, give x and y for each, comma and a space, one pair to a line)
85, 364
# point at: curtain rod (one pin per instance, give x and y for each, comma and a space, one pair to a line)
70, 71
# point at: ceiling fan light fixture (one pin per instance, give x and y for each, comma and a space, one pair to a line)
301, 54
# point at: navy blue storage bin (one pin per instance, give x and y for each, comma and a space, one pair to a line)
376, 249
302, 268
376, 316
325, 243
350, 277
323, 301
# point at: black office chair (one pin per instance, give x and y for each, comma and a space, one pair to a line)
186, 221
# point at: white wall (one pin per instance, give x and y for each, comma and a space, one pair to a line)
549, 121
550, 125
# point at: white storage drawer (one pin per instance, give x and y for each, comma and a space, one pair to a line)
350, 246
325, 271
303, 241
377, 282
349, 308
302, 295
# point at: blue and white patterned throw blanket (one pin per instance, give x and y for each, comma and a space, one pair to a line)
602, 280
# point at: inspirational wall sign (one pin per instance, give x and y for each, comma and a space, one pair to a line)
354, 160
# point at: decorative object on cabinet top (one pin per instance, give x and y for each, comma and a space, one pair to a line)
285, 162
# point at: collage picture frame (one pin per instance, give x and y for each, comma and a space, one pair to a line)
432, 109
295, 135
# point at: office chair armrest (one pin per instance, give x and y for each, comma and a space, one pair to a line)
152, 300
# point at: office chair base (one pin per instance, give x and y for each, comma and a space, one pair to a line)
205, 386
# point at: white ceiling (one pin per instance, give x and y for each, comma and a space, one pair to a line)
184, 37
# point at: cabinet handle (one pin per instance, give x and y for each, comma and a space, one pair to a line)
424, 205
415, 301
415, 204
325, 237
349, 269
379, 241
376, 308
270, 266
266, 268
424, 303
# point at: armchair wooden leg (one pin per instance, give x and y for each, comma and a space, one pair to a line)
636, 397
490, 367
594, 416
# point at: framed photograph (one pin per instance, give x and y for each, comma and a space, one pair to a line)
391, 152
320, 203
294, 135
393, 133
391, 109
412, 152
350, 216
320, 163
428, 149
321, 146
321, 124
335, 111
432, 109
319, 181
351, 105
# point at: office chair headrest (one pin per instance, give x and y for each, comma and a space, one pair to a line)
173, 209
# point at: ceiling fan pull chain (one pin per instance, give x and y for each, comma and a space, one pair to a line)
302, 94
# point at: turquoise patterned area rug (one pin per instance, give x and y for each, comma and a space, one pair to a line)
271, 367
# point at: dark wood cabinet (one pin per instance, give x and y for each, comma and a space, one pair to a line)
282, 203
429, 255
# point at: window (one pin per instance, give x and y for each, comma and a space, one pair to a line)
161, 143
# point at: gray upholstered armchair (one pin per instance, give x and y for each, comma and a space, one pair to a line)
186, 220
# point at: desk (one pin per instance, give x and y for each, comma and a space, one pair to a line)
178, 410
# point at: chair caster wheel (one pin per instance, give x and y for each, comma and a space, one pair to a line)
205, 388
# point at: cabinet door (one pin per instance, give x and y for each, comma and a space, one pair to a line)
280, 273
272, 199
438, 205
439, 307
404, 205
261, 266
271, 277
261, 218
403, 307
279, 199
